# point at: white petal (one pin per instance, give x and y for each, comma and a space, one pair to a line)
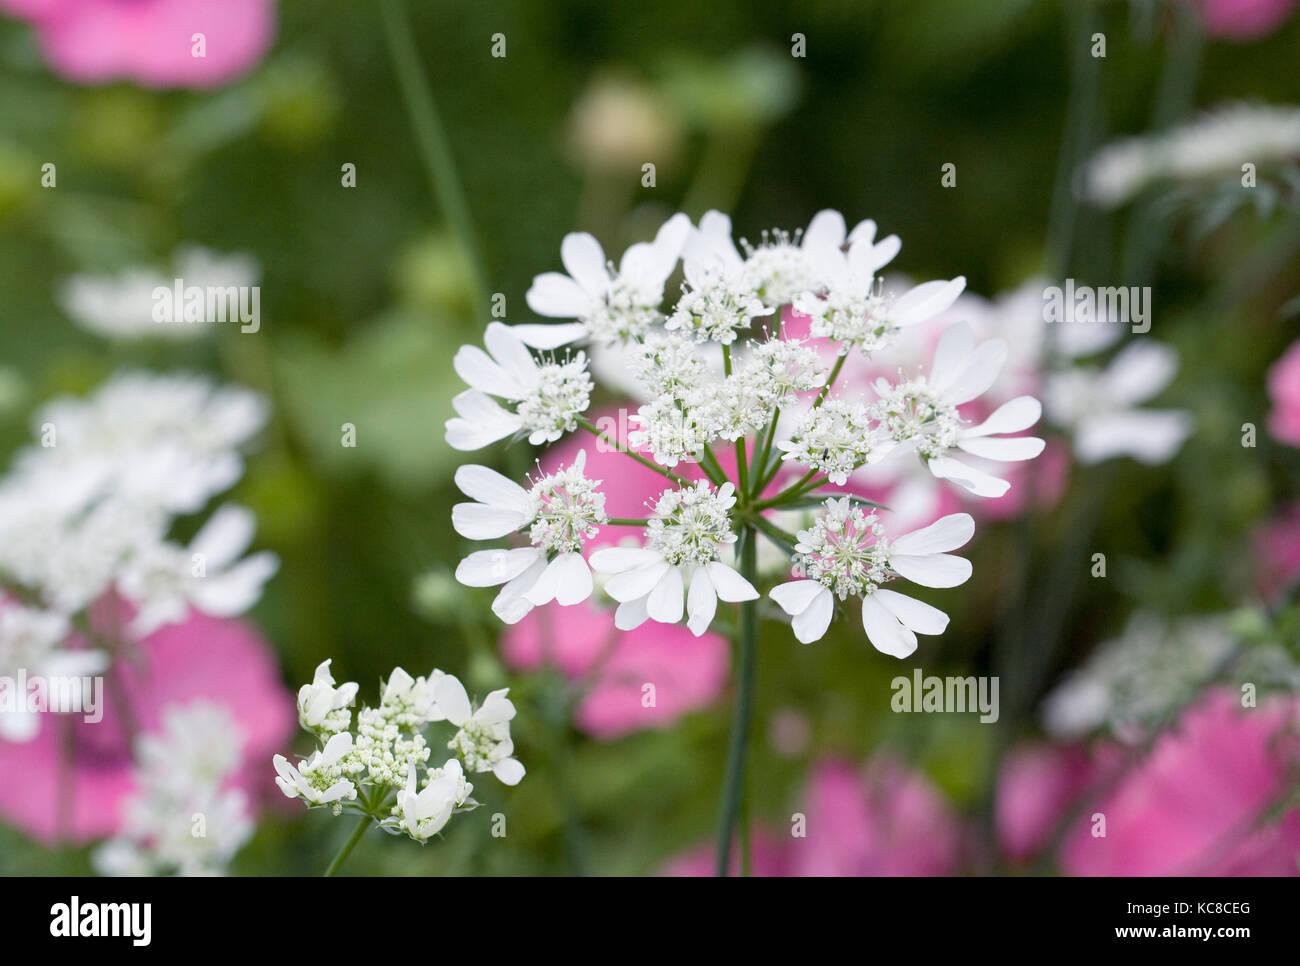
508, 771
730, 585
488, 568
1139, 372
584, 259
931, 569
981, 373
977, 481
510, 353
826, 230
547, 337
225, 536
567, 579
796, 596
614, 560
637, 582
810, 625
488, 486
1151, 436
926, 300
952, 355
1011, 417
631, 614
480, 372
452, 699
946, 533
482, 422
234, 591
1005, 450
475, 521
665, 601
916, 615
884, 631
701, 602
556, 296
510, 605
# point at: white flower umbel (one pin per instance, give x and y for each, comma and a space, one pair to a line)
845, 554
1100, 406
782, 266
562, 510
483, 741
382, 773
685, 537
548, 397
835, 439
921, 414
609, 306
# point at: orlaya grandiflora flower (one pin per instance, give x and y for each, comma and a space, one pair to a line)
319, 780
845, 554
684, 539
424, 812
483, 741
921, 414
322, 707
548, 397
561, 510
609, 306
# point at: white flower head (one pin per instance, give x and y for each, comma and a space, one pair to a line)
835, 438
845, 554
483, 742
320, 779
609, 305
424, 813
685, 537
548, 397
921, 414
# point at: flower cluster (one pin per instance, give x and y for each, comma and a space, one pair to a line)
382, 770
186, 817
87, 514
724, 378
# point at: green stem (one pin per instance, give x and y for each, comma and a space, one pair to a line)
712, 468
830, 380
348, 846
733, 787
627, 521
762, 472
662, 471
431, 137
802, 487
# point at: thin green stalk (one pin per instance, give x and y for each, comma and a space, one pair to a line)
431, 136
830, 380
733, 787
762, 454
712, 468
627, 521
348, 846
662, 471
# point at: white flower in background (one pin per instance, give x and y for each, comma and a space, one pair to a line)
549, 396
324, 708
685, 537
165, 581
31, 640
1100, 406
320, 779
1216, 144
483, 741
184, 771
562, 510
121, 306
921, 414
609, 306
845, 554
782, 267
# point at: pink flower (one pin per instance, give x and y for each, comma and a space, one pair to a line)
1199, 803
1284, 391
1277, 551
1243, 19
886, 821
687, 673
767, 859
1040, 482
1037, 787
150, 42
223, 661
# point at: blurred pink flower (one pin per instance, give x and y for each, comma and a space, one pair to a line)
1277, 551
223, 661
767, 860
1041, 481
688, 673
886, 821
150, 42
1196, 805
1284, 391
1243, 19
